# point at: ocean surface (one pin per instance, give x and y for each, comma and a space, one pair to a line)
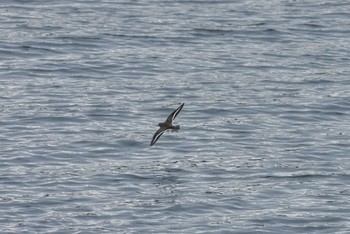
264, 144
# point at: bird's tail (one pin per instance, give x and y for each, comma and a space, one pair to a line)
175, 128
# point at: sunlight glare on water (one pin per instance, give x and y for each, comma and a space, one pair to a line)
264, 139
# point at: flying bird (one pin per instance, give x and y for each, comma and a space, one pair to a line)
168, 124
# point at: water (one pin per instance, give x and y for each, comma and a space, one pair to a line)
264, 141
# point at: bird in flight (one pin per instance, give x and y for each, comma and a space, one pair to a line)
168, 124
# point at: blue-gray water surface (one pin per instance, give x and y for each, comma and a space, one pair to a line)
264, 142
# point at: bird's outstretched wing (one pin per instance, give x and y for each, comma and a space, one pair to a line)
157, 135
173, 115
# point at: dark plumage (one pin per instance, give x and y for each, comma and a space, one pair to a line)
168, 124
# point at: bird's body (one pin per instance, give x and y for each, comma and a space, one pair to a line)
168, 124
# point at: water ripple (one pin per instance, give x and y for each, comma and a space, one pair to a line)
264, 138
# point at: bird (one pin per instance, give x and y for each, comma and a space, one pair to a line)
168, 124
